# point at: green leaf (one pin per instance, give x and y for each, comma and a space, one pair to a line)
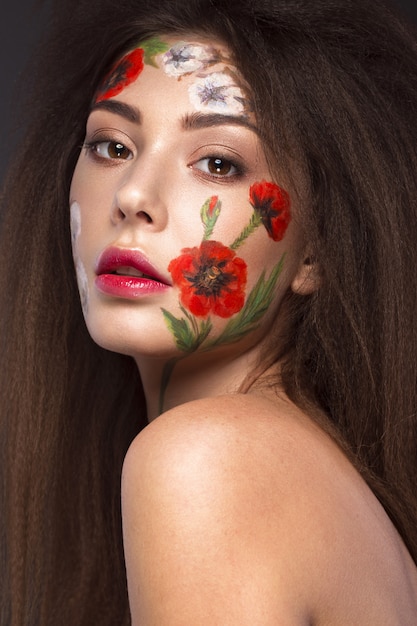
188, 335
180, 328
185, 341
151, 48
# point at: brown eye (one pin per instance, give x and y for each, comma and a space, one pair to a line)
117, 151
109, 150
219, 167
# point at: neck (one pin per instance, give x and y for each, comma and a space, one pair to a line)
172, 382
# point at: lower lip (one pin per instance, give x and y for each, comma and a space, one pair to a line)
130, 287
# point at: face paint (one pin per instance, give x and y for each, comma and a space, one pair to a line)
129, 67
185, 58
121, 75
217, 92
82, 280
272, 205
75, 222
212, 279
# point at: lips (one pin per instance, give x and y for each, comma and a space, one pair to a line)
126, 273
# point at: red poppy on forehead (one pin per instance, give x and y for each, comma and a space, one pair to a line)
211, 279
272, 204
121, 75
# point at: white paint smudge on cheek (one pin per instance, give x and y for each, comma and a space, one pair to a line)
75, 222
82, 280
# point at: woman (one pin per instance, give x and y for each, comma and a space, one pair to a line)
241, 184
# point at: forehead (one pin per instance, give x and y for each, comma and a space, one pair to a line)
200, 72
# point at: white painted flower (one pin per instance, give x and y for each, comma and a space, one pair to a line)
184, 58
218, 92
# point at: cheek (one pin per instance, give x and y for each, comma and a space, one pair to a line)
75, 222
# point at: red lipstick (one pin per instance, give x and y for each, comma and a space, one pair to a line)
125, 273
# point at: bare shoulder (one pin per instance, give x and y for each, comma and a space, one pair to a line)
236, 427
199, 489
241, 451
240, 497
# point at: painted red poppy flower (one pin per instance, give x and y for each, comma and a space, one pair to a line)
121, 75
272, 203
211, 279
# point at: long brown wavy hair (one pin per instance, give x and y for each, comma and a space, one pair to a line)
335, 91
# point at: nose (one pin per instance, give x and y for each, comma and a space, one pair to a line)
139, 197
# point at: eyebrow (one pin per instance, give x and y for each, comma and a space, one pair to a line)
193, 121
206, 120
130, 113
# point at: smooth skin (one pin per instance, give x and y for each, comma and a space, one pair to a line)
239, 511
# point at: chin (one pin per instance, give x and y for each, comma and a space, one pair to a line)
133, 339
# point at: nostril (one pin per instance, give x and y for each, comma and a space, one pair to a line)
145, 215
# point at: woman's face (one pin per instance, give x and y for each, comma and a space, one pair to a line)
182, 240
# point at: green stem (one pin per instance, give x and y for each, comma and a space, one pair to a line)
255, 221
207, 232
165, 378
192, 321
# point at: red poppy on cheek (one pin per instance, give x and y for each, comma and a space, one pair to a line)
121, 75
211, 279
272, 204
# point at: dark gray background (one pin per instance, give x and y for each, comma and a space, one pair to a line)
21, 26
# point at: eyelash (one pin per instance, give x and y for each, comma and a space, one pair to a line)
239, 169
94, 147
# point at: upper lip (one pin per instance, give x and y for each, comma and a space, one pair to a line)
113, 258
